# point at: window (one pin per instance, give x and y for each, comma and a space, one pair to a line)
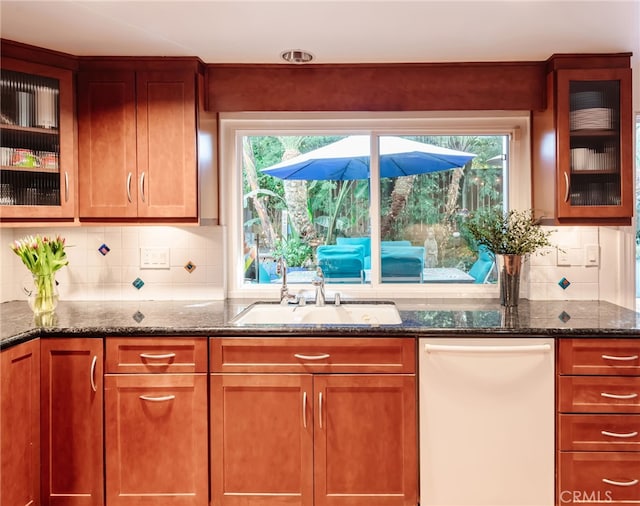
379, 203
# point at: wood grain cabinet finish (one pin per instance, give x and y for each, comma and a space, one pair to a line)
313, 355
71, 422
20, 425
603, 357
31, 138
156, 425
292, 437
598, 425
137, 145
582, 142
161, 355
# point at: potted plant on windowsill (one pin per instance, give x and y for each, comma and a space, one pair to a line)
510, 237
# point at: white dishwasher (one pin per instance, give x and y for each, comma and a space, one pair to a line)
487, 421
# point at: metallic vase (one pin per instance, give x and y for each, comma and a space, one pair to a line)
510, 267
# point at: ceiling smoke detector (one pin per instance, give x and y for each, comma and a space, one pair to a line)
296, 56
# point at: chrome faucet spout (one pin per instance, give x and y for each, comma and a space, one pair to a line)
318, 282
285, 296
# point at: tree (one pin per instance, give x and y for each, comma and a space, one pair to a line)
252, 180
296, 195
401, 190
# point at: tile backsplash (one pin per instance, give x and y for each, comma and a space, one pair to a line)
104, 262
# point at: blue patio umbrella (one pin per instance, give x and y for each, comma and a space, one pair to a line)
349, 158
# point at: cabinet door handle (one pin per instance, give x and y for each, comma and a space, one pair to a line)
320, 409
92, 375
566, 186
129, 176
620, 483
157, 357
66, 186
158, 399
617, 434
304, 410
311, 357
142, 186
618, 396
611, 357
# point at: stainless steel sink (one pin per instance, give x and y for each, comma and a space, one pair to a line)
373, 314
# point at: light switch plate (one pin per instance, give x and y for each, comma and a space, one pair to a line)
154, 258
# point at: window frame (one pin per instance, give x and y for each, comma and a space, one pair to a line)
233, 126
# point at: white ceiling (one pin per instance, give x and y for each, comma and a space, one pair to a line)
347, 31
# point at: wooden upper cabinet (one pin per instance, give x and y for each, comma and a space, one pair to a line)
107, 145
595, 169
582, 161
166, 121
37, 137
137, 153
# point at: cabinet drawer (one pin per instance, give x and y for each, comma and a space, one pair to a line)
313, 355
589, 433
599, 356
602, 477
599, 394
156, 355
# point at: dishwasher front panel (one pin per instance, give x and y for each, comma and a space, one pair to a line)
487, 421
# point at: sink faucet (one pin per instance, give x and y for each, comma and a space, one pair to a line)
318, 282
285, 296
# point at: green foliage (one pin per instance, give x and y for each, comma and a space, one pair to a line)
515, 232
294, 250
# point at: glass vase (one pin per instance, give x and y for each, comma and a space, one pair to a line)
43, 297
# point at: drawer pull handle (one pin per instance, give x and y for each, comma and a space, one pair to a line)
617, 434
629, 358
157, 357
304, 410
92, 374
620, 483
320, 409
158, 399
311, 357
619, 396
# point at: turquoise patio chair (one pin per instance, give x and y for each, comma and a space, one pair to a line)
483, 266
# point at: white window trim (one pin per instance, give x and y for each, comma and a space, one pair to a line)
233, 126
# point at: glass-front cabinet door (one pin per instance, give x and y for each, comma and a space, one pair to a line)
36, 142
595, 174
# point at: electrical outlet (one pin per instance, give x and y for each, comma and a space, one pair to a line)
154, 258
592, 255
563, 255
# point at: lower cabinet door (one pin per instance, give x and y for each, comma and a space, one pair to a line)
71, 422
365, 443
20, 425
261, 440
156, 440
599, 477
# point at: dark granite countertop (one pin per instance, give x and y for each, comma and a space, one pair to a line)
420, 318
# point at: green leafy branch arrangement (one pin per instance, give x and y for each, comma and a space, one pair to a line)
511, 233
